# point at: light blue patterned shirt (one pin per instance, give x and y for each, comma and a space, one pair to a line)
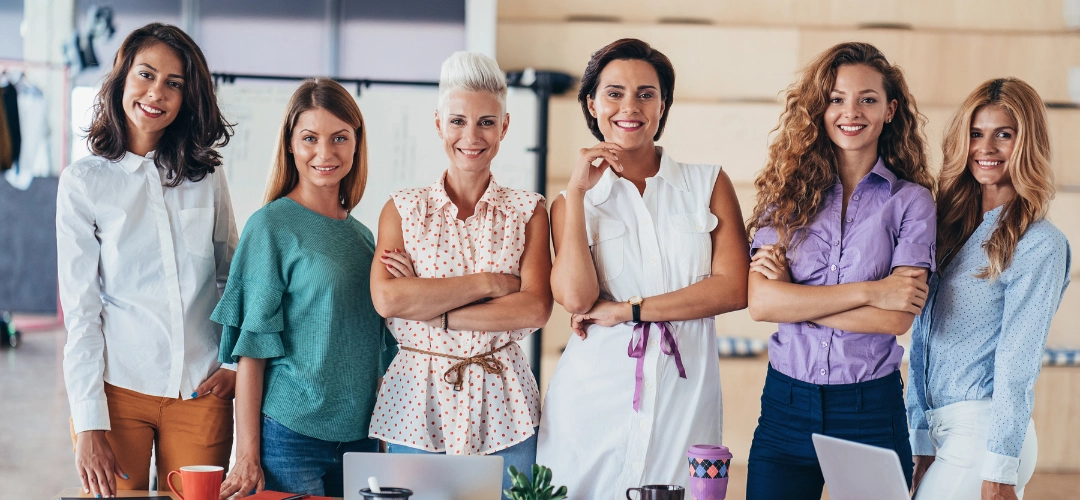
981, 338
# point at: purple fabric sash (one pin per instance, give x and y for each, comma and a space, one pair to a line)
639, 341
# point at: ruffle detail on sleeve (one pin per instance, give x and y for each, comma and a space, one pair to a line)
251, 319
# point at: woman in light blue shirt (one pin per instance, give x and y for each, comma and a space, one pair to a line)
1002, 270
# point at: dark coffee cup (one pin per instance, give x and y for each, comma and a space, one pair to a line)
657, 492
399, 493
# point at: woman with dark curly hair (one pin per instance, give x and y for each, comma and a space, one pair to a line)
145, 236
843, 245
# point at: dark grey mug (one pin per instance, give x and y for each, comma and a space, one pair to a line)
657, 492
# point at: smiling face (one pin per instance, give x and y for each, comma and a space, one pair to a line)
153, 94
858, 108
991, 144
471, 125
323, 147
628, 105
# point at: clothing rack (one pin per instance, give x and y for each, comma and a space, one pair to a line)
543, 83
30, 324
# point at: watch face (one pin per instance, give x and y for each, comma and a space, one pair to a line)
635, 300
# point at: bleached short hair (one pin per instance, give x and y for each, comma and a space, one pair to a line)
473, 72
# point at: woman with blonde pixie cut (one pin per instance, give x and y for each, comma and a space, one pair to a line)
976, 351
843, 244
462, 274
297, 312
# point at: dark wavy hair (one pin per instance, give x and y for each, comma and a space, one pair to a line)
626, 49
801, 166
187, 150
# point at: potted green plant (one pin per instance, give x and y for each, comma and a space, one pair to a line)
539, 488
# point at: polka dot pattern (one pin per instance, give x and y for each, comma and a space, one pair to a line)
979, 338
416, 407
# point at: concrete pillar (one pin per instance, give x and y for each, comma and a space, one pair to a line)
47, 25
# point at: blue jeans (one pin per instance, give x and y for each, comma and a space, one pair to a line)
783, 463
522, 456
295, 463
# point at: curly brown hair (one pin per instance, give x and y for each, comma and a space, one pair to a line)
802, 159
188, 149
960, 211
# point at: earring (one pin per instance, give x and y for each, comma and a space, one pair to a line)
889, 120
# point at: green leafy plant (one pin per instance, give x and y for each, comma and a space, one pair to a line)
539, 488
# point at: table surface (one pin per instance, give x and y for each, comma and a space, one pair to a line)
77, 493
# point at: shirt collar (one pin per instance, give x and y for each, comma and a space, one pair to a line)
670, 171
131, 162
883, 172
493, 195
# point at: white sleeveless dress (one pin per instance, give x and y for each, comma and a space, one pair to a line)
590, 435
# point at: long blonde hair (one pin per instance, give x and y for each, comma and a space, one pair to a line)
802, 160
960, 195
320, 93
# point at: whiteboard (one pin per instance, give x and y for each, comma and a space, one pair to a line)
404, 149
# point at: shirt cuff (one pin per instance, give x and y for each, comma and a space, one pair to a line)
228, 366
90, 415
921, 443
1000, 468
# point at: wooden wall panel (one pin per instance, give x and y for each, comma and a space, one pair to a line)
978, 15
710, 62
1065, 134
942, 68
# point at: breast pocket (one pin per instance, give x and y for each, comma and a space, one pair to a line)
197, 228
809, 260
692, 243
608, 241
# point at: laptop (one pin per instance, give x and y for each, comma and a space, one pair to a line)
430, 477
856, 471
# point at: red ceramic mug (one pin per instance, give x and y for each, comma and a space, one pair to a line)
200, 482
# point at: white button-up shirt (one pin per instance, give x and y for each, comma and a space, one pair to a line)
138, 264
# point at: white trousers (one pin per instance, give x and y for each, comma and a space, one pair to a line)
959, 431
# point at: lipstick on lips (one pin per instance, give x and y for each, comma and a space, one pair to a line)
150, 111
852, 129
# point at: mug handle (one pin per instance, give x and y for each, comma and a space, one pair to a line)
168, 479
628, 490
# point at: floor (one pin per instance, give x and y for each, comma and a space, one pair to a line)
36, 459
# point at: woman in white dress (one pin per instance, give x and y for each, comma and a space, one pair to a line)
648, 251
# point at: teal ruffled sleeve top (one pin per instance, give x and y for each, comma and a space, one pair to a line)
299, 296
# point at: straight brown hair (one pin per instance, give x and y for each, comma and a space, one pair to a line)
626, 49
187, 150
320, 93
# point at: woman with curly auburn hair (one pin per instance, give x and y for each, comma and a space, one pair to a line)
843, 244
977, 349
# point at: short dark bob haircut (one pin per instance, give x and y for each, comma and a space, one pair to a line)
626, 49
187, 148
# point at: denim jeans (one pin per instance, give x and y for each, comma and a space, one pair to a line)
783, 463
295, 463
522, 456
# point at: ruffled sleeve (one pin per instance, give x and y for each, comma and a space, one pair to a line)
251, 322
250, 310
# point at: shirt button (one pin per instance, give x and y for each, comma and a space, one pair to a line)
836, 242
833, 268
638, 466
652, 343
856, 197
824, 344
644, 425
700, 227
848, 219
648, 384
822, 371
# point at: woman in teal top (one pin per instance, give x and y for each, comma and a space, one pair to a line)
297, 313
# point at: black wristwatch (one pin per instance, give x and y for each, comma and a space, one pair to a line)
635, 306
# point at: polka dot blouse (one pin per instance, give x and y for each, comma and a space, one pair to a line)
416, 407
980, 338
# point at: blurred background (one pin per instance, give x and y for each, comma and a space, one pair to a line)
733, 60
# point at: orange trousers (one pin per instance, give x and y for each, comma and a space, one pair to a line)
194, 432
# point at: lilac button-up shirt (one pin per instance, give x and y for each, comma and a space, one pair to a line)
889, 223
